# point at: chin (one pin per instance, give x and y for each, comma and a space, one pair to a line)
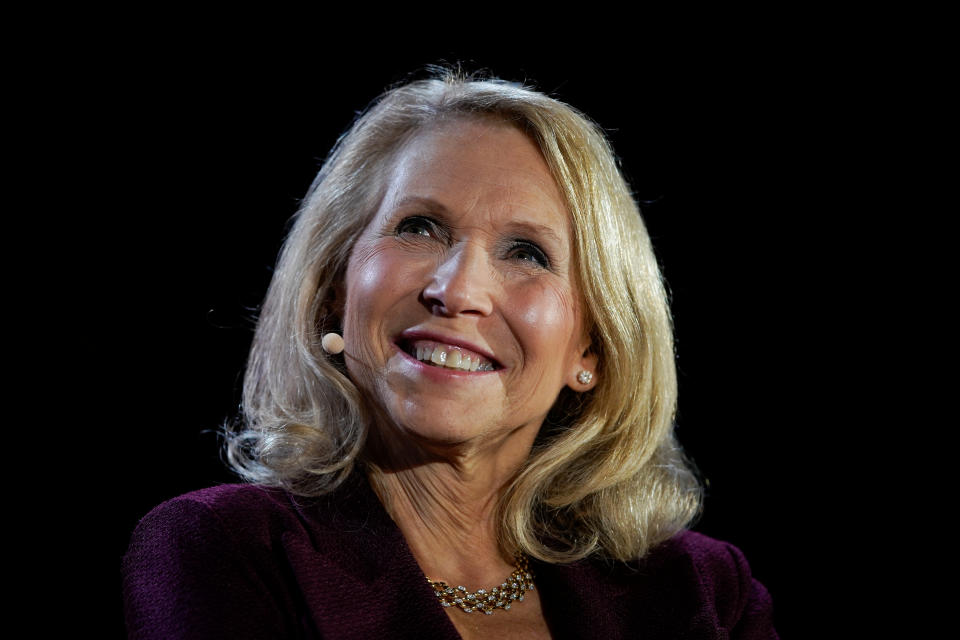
444, 432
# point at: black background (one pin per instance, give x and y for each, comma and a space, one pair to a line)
202, 154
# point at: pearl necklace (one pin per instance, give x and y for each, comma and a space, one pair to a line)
512, 589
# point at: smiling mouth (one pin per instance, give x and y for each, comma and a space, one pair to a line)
446, 356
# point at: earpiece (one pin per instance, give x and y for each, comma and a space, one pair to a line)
332, 343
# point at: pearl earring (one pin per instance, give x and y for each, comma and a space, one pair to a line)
332, 343
584, 377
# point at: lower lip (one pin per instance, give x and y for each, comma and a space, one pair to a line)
441, 373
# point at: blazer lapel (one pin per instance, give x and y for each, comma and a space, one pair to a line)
357, 574
577, 602
654, 598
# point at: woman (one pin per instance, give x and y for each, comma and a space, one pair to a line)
488, 451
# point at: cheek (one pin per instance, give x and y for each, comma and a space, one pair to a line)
375, 276
364, 278
379, 279
549, 317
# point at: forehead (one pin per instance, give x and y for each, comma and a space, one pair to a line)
484, 168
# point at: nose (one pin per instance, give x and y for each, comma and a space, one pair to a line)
462, 283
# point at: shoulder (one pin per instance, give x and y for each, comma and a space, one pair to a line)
211, 513
718, 576
194, 561
218, 520
690, 586
716, 562
229, 501
243, 561
226, 499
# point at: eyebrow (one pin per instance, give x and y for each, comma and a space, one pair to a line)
434, 206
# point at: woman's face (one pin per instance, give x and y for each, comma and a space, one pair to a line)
462, 320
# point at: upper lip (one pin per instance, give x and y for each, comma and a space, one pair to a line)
420, 334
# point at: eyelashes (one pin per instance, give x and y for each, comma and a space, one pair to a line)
525, 250
424, 228
419, 226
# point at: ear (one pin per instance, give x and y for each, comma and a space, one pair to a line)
587, 362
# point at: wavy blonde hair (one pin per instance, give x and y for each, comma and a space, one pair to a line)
606, 475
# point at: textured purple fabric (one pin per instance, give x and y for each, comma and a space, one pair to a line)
239, 561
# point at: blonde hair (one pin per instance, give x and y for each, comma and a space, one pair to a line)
606, 475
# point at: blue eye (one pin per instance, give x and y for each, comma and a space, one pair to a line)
529, 252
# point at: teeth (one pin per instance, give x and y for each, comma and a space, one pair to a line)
451, 359
454, 359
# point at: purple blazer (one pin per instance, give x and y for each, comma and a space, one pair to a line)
240, 561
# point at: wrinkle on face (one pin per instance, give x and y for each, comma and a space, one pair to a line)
488, 184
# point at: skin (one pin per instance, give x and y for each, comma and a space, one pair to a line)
472, 247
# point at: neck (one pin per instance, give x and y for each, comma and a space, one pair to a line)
444, 500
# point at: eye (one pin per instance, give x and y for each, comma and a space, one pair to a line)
528, 252
418, 225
